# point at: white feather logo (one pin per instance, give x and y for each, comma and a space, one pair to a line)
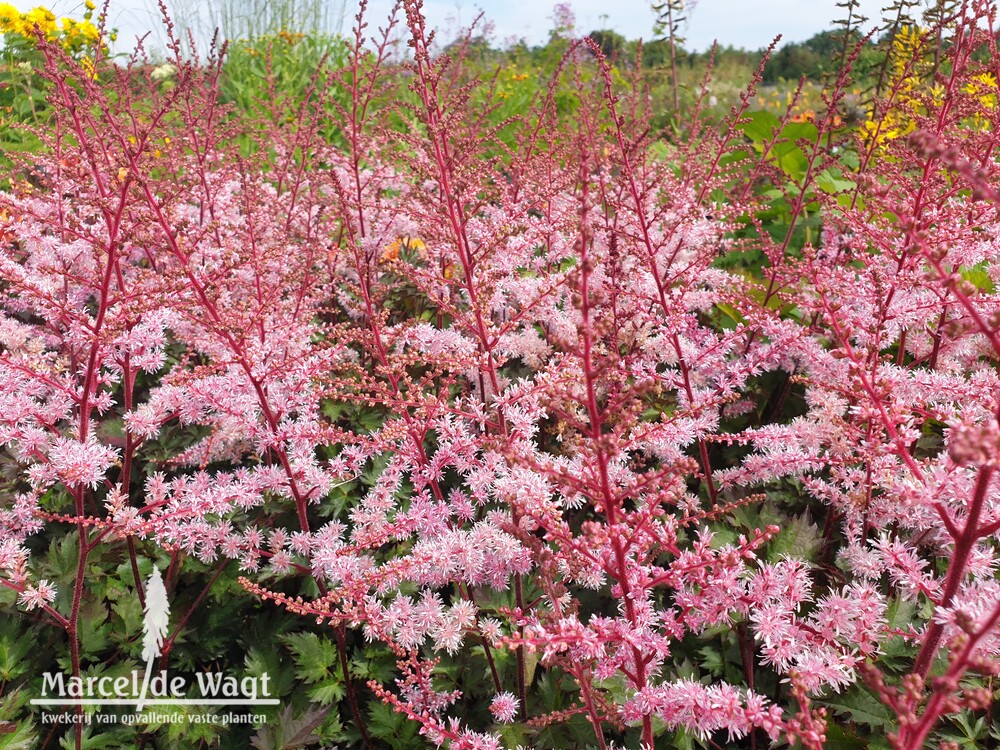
154, 627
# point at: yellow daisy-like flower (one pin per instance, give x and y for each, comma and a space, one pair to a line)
10, 18
90, 32
43, 18
983, 87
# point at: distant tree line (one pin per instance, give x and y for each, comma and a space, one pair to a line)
815, 57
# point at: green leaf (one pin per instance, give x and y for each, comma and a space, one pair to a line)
103, 741
290, 732
315, 657
711, 660
16, 736
829, 182
800, 131
862, 708
14, 650
683, 740
839, 739
798, 538
731, 313
899, 613
978, 277
723, 535
790, 158
759, 126
392, 728
327, 692
531, 659
272, 663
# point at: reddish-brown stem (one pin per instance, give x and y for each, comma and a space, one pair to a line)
912, 736
168, 644
340, 634
957, 570
609, 502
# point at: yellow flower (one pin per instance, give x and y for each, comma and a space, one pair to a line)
41, 17
905, 47
90, 33
937, 94
10, 18
89, 5
984, 87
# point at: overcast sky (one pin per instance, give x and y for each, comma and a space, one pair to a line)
742, 23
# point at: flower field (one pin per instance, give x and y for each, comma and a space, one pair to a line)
418, 401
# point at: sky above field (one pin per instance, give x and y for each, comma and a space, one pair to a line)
741, 23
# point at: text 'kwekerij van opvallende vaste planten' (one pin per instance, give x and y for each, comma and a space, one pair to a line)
438, 395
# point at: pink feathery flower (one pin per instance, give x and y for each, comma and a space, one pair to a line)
37, 596
504, 707
77, 463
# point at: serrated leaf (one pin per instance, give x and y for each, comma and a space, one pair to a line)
711, 659
13, 653
683, 740
731, 312
102, 741
798, 538
315, 657
722, 535
290, 732
862, 708
327, 692
392, 727
16, 736
830, 183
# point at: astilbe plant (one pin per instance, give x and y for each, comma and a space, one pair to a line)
522, 346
